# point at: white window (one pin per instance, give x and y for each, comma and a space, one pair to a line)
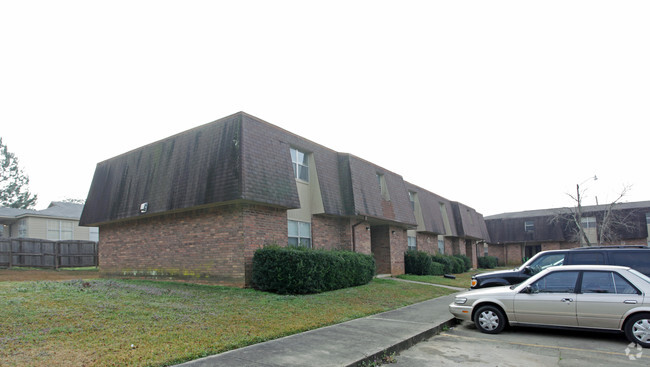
300, 165
529, 226
59, 230
588, 222
441, 244
383, 187
647, 218
412, 242
22, 228
412, 196
93, 234
299, 233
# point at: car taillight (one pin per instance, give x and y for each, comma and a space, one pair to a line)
474, 283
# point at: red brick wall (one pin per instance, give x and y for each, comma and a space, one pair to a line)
213, 245
380, 239
550, 246
388, 246
498, 252
262, 226
331, 233
451, 246
470, 251
427, 242
362, 238
398, 246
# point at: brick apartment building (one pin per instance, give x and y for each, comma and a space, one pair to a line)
514, 236
198, 204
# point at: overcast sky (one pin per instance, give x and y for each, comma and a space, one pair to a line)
501, 105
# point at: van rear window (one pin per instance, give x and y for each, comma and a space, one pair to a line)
638, 260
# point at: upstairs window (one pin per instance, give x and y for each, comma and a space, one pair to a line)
529, 226
382, 186
588, 222
299, 233
300, 165
412, 196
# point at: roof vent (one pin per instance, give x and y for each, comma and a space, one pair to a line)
144, 207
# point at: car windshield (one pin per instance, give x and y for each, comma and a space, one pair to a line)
640, 275
545, 261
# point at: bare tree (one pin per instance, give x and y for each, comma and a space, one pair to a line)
610, 222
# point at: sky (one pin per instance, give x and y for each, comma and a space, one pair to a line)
501, 105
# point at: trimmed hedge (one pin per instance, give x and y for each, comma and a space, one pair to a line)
446, 261
417, 263
487, 262
298, 270
467, 262
437, 269
422, 263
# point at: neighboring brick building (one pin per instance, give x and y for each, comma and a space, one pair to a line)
198, 204
514, 236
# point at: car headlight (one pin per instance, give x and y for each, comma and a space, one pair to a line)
460, 300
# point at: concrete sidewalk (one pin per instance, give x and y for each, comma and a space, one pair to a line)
345, 344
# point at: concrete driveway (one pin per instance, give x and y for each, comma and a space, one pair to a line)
465, 345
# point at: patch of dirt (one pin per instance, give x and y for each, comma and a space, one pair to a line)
20, 275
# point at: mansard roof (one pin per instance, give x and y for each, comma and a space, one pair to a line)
241, 158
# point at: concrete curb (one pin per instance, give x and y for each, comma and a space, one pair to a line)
405, 344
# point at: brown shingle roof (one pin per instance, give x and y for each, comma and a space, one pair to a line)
241, 157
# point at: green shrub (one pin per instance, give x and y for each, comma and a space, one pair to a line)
459, 265
487, 262
291, 270
446, 261
467, 262
437, 268
417, 263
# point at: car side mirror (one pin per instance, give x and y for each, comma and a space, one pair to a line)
527, 270
528, 289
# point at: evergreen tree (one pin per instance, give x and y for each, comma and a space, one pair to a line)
14, 191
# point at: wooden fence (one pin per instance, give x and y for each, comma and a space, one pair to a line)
39, 253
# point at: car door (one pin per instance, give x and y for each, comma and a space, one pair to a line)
604, 297
551, 300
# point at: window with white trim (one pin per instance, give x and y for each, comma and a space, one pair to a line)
59, 230
22, 228
441, 244
93, 234
588, 222
299, 233
529, 226
300, 165
412, 242
412, 196
383, 187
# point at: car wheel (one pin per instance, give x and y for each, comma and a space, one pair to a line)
637, 329
490, 320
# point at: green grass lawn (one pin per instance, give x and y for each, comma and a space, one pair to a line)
102, 322
462, 280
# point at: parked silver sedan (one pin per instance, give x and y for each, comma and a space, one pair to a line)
599, 297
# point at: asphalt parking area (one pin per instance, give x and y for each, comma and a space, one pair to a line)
465, 345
